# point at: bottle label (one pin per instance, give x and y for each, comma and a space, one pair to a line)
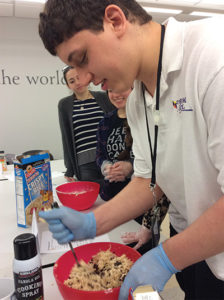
3, 163
29, 284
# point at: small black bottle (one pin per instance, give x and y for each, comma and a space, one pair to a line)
27, 268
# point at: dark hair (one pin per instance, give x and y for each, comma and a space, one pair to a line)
65, 71
128, 140
61, 19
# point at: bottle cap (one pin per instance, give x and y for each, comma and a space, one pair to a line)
25, 246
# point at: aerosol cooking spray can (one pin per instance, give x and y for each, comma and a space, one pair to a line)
27, 268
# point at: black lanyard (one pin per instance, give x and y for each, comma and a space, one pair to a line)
156, 116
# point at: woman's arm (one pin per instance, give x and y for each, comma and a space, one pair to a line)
66, 136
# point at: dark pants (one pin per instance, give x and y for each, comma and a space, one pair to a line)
198, 282
111, 189
90, 172
144, 248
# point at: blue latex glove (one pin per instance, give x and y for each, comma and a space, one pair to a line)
67, 224
153, 268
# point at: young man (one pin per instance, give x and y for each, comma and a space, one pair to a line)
114, 43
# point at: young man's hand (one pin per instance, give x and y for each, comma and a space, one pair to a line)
67, 224
153, 268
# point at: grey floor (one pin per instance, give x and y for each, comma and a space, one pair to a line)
174, 293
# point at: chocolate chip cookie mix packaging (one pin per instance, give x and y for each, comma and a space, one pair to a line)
33, 186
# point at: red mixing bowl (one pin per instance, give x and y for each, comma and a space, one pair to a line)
64, 264
79, 195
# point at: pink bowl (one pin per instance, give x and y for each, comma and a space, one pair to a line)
79, 195
65, 263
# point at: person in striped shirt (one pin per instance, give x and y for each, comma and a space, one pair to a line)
79, 116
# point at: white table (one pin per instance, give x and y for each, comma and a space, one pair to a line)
9, 230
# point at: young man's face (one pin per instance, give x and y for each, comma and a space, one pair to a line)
100, 57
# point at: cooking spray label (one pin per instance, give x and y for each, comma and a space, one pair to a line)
29, 284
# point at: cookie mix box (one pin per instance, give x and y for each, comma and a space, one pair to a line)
33, 186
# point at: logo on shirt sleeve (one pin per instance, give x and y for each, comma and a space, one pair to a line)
182, 105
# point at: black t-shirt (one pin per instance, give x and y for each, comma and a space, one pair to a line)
116, 137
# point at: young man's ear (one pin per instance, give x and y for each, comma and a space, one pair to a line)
115, 16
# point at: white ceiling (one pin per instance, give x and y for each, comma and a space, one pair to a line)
31, 9
186, 6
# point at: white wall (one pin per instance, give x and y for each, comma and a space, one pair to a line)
28, 111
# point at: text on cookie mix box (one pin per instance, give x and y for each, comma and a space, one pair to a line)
33, 186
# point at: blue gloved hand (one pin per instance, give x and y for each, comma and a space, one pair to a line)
67, 224
153, 268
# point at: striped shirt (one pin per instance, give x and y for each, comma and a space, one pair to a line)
86, 116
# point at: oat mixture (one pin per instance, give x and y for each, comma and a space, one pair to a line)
104, 271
